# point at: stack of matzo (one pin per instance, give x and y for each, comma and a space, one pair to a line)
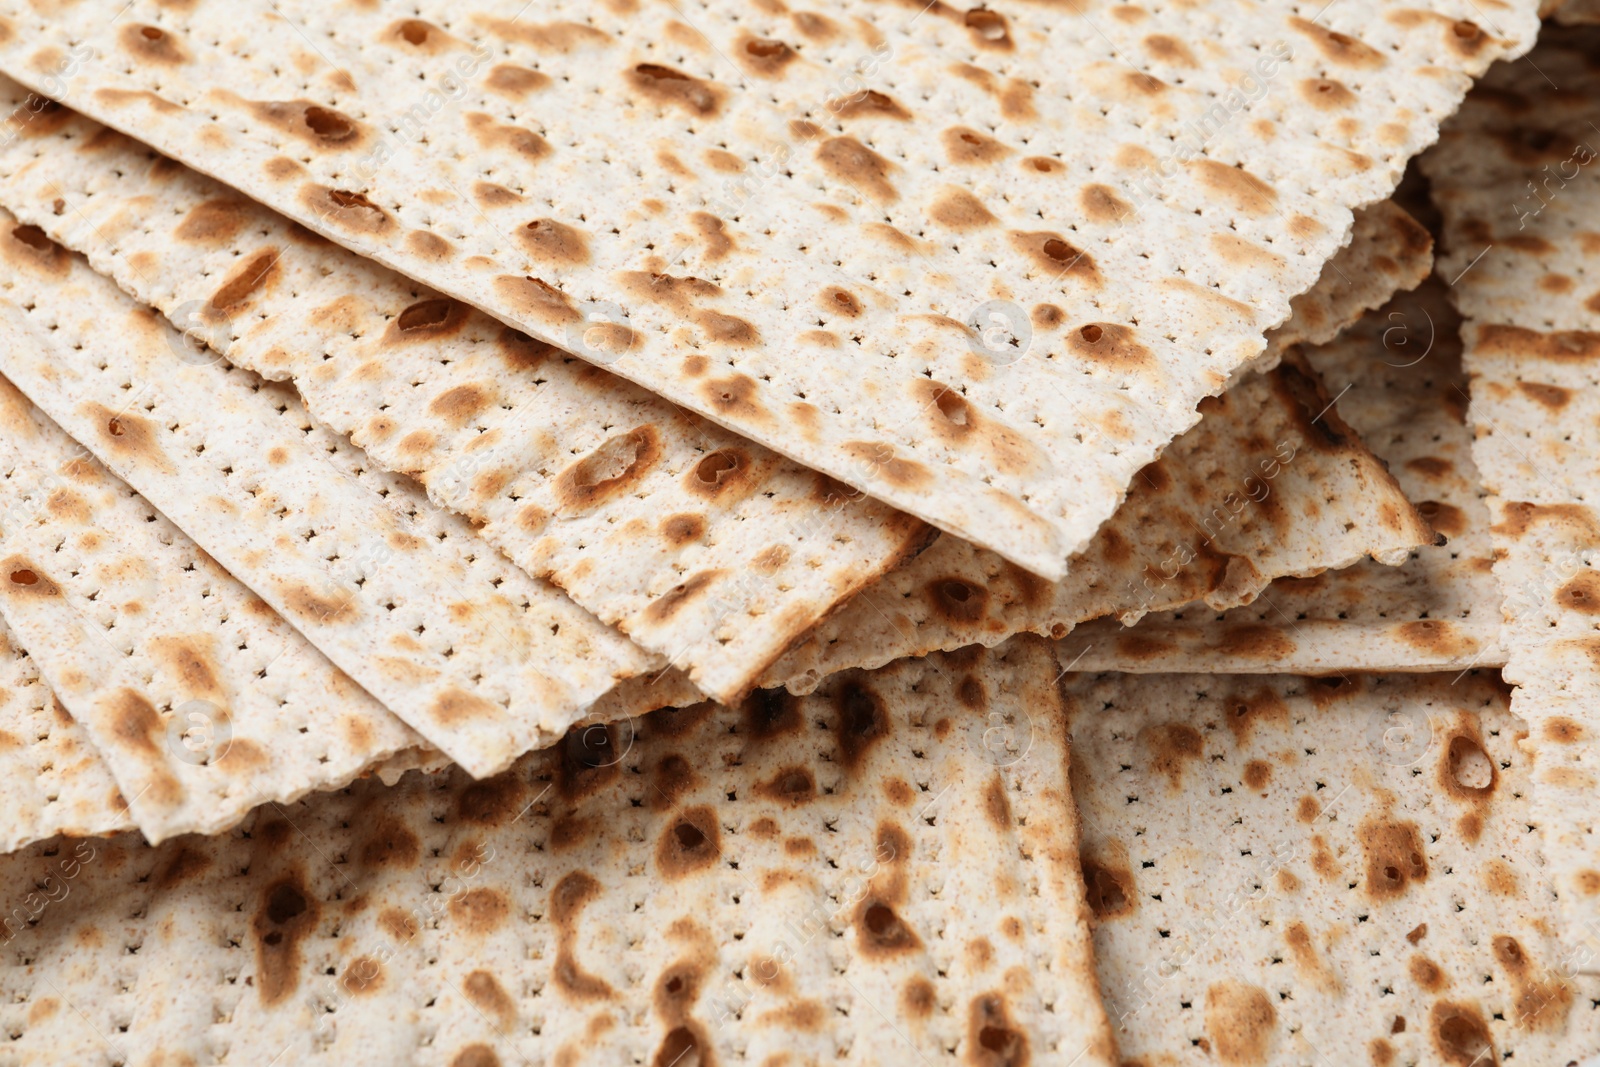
617, 533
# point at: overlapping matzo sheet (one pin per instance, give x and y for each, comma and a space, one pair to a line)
764, 564
1320, 871
54, 780
794, 880
1271, 482
167, 235
704, 548
1515, 182
203, 702
480, 659
1389, 251
1398, 378
787, 220
101, 200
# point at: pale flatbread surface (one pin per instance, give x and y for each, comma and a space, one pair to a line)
786, 221
1515, 182
202, 700
1271, 482
1398, 378
55, 781
484, 661
1320, 871
1389, 251
794, 880
704, 548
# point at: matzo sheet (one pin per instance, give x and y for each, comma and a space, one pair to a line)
806, 226
54, 780
621, 498
203, 702
1270, 483
1307, 872
791, 880
105, 196
1400, 385
1515, 182
482, 660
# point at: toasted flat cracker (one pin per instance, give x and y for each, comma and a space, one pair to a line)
203, 701
1174, 540
1399, 381
704, 548
483, 661
1515, 184
1310, 871
1271, 482
1167, 182
793, 879
54, 780
1389, 251
109, 187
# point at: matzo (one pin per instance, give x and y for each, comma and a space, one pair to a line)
483, 661
97, 192
1400, 385
203, 702
702, 547
1271, 482
1320, 871
868, 209
793, 880
55, 782
1515, 183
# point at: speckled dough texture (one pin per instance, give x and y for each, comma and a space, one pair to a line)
1304, 872
1400, 385
133, 213
166, 234
1389, 251
202, 700
1270, 483
710, 885
54, 780
701, 546
482, 660
1515, 182
787, 220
